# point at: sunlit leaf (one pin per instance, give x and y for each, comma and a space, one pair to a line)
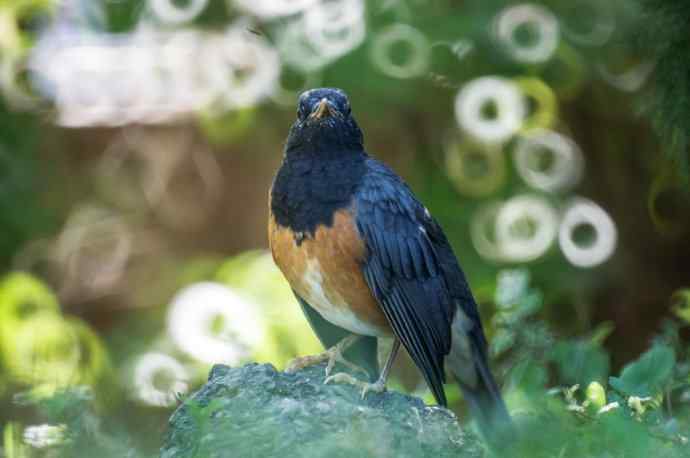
681, 304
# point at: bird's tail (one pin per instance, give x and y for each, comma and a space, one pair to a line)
468, 363
487, 407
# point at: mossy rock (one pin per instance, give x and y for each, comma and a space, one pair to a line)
256, 411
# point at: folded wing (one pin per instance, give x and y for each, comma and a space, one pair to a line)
405, 271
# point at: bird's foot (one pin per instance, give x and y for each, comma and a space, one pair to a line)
342, 377
332, 355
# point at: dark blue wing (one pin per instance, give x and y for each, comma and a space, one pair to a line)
413, 272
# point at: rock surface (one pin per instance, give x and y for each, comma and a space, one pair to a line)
256, 411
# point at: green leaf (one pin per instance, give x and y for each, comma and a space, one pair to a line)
580, 362
530, 304
528, 375
502, 341
681, 304
512, 285
648, 375
601, 332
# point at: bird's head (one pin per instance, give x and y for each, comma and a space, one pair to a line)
324, 124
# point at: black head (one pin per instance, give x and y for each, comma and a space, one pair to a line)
324, 124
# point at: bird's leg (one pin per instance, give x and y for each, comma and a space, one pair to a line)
379, 386
332, 355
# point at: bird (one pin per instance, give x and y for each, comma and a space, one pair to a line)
367, 260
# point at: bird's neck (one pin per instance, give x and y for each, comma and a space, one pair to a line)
308, 189
334, 141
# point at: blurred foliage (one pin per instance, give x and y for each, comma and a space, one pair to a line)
664, 35
643, 412
22, 218
104, 226
255, 275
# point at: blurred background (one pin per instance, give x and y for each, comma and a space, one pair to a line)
138, 140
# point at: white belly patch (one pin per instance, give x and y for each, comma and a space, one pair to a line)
338, 313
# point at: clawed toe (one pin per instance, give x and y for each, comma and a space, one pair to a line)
378, 387
342, 377
332, 356
301, 362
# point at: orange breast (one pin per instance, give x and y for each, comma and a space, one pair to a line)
325, 271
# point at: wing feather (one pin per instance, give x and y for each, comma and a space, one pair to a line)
414, 275
403, 271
